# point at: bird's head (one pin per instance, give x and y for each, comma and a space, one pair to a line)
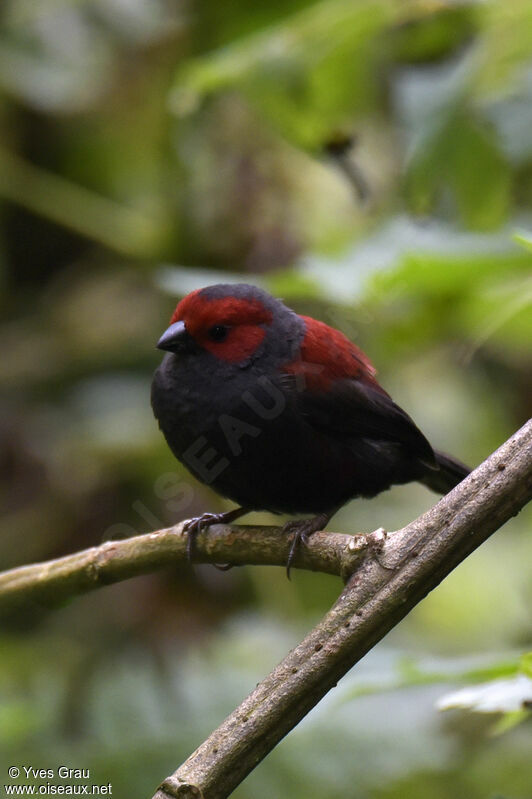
229, 321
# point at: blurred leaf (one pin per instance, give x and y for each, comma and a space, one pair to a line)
500, 312
62, 57
478, 174
525, 239
461, 154
141, 21
506, 42
497, 696
178, 281
18, 721
510, 720
481, 289
429, 274
525, 664
291, 71
511, 696
121, 229
430, 32
510, 115
54, 59
410, 672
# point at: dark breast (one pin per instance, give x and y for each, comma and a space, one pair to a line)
240, 433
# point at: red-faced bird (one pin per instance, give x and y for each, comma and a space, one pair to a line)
281, 412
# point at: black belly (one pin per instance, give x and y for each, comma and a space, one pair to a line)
280, 464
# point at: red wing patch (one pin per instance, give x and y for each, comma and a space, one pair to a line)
327, 355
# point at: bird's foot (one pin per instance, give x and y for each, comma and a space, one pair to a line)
302, 529
198, 524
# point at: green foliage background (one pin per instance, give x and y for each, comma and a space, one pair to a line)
148, 147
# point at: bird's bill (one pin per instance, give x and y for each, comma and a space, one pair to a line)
174, 338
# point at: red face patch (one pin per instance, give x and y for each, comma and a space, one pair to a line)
230, 328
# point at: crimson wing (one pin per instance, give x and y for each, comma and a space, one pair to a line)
333, 384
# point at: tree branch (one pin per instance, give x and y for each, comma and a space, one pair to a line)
56, 580
410, 563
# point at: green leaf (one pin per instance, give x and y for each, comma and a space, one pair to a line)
524, 238
525, 664
479, 175
463, 155
432, 33
508, 721
293, 73
508, 695
506, 42
409, 673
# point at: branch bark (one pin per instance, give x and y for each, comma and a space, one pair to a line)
410, 563
54, 581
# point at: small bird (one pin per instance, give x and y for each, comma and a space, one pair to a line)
281, 412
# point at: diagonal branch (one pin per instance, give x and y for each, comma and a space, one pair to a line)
410, 563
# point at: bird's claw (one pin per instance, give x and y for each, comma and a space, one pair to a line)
198, 524
300, 537
193, 527
302, 529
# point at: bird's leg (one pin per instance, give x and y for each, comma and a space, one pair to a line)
302, 529
193, 527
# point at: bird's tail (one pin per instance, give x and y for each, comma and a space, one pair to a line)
450, 473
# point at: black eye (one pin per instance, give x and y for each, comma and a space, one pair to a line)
218, 332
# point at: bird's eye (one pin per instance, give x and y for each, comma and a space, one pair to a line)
218, 332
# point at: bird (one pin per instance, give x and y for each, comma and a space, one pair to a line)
280, 412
